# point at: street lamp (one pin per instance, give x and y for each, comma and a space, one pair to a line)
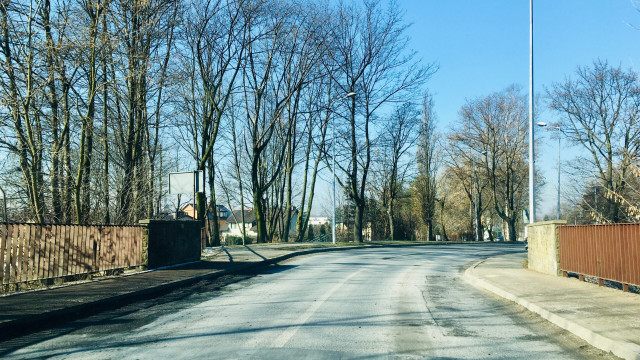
333, 160
532, 202
556, 127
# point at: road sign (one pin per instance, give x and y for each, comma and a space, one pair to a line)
186, 182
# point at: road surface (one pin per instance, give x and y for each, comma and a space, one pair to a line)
402, 302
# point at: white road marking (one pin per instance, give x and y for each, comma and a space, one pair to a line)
281, 340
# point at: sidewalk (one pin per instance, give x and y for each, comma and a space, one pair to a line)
27, 312
606, 318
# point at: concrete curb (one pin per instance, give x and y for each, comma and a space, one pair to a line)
622, 349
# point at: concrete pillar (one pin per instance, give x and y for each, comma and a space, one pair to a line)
170, 242
544, 247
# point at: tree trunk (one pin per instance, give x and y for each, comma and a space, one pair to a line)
105, 130
55, 122
478, 220
68, 178
286, 218
214, 236
513, 236
358, 221
260, 217
444, 230
390, 216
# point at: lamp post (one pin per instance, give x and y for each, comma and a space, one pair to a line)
532, 203
333, 165
556, 127
475, 199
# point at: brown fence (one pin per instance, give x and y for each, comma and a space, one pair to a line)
607, 252
35, 252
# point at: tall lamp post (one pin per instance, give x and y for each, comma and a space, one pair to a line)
532, 202
333, 165
556, 127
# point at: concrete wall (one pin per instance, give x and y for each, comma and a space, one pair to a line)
170, 242
544, 252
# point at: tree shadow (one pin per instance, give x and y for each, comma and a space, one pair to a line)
250, 249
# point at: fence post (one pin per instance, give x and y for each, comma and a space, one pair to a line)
145, 243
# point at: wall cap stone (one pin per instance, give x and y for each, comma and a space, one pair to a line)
160, 221
550, 222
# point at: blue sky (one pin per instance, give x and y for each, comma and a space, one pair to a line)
483, 47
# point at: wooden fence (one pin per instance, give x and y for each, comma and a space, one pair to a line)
607, 252
36, 252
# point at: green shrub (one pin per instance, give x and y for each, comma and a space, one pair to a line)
233, 240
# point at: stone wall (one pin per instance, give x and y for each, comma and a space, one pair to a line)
544, 252
170, 242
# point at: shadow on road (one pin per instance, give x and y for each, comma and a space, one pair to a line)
250, 249
229, 255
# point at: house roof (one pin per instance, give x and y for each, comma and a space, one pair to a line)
236, 217
221, 208
172, 216
188, 210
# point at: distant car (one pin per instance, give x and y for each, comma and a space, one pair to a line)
499, 238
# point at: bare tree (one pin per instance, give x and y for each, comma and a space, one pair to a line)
280, 59
213, 55
140, 26
369, 58
600, 110
91, 92
497, 130
20, 93
399, 138
425, 184
318, 122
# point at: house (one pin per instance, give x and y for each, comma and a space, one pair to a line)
318, 220
233, 224
189, 210
293, 223
173, 216
223, 212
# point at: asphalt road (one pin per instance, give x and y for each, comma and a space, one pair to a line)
404, 302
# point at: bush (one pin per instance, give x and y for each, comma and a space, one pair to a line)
310, 234
234, 240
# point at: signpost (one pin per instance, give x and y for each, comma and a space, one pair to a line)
187, 182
